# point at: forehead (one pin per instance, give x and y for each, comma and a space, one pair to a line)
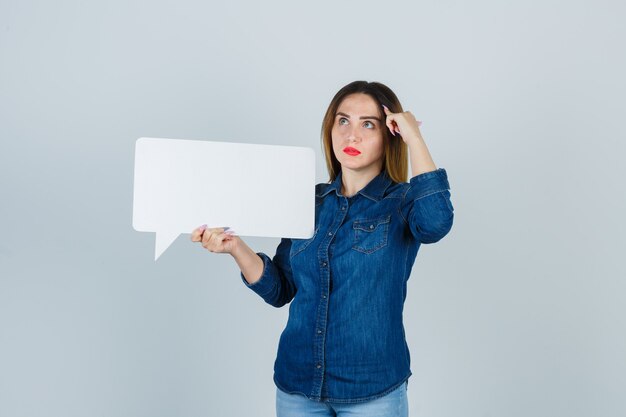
359, 104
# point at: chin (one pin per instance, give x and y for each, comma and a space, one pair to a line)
353, 167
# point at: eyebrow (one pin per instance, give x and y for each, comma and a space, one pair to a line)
362, 117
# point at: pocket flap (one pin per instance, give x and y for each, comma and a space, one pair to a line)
369, 225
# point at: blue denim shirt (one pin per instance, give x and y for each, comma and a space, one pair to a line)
344, 340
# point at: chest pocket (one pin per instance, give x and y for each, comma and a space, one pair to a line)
370, 234
298, 245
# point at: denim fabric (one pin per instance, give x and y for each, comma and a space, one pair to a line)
344, 340
394, 404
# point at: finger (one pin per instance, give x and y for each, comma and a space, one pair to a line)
209, 233
208, 240
390, 120
394, 127
390, 126
196, 235
217, 238
217, 243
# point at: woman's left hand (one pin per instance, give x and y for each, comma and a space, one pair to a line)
404, 124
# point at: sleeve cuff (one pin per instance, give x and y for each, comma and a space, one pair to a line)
427, 183
265, 284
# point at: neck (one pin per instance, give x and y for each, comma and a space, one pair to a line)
353, 181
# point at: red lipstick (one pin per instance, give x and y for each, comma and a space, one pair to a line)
351, 151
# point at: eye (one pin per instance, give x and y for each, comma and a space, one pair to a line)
370, 123
341, 119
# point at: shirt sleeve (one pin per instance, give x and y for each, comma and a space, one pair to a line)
276, 285
426, 206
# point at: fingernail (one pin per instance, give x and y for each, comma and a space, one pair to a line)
226, 228
204, 226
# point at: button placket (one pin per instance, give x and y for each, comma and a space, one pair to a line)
324, 261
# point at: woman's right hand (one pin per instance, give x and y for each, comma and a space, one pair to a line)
216, 240
219, 241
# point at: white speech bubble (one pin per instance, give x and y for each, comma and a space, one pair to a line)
256, 190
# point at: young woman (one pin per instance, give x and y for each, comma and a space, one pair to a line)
343, 350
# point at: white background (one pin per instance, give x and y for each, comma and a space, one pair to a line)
519, 311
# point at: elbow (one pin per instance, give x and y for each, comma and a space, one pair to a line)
279, 303
278, 297
432, 217
436, 231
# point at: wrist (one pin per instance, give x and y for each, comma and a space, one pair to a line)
239, 249
413, 142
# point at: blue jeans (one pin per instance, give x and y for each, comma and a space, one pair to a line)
393, 404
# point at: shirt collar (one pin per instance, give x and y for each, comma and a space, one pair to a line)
374, 190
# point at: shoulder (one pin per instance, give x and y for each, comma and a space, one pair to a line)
397, 190
321, 188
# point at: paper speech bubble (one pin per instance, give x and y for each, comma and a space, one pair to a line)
256, 190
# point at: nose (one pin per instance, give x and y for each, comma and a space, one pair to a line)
354, 135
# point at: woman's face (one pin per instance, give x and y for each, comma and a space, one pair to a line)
357, 134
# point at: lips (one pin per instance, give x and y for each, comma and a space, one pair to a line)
351, 151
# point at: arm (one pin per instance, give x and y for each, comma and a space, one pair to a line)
426, 206
430, 213
249, 262
270, 279
407, 126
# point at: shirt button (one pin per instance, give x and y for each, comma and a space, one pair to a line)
318, 366
343, 208
371, 226
323, 263
330, 233
324, 296
319, 332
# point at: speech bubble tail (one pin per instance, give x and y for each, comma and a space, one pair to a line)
163, 241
